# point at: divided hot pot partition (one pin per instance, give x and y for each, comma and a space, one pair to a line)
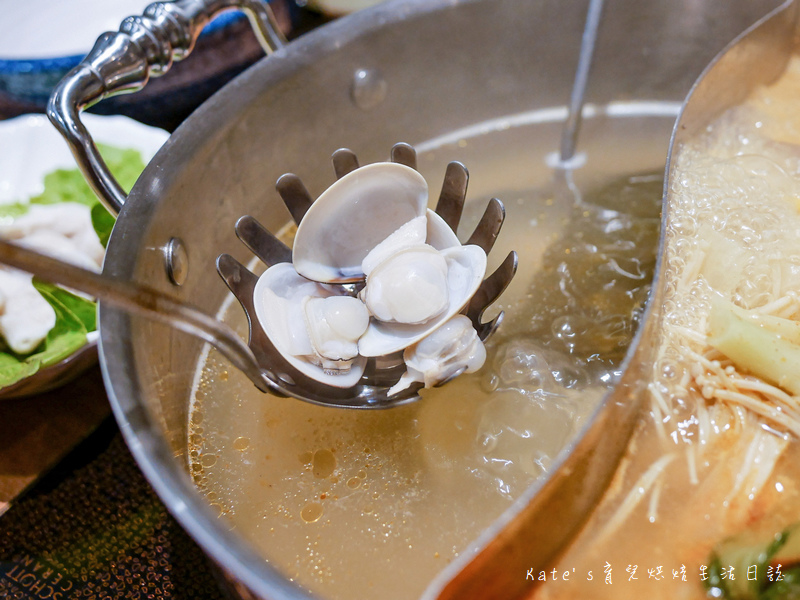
408, 71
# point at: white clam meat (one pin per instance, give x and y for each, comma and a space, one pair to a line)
451, 349
334, 324
466, 266
409, 286
373, 226
316, 338
408, 235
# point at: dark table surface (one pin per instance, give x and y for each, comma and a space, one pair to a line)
91, 527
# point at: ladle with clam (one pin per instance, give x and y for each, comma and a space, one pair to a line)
366, 307
150, 404
377, 299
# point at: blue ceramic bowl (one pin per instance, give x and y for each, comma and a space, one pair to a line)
41, 40
32, 79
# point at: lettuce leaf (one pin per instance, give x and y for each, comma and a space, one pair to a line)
75, 316
13, 210
103, 222
13, 368
65, 185
69, 185
125, 163
77, 308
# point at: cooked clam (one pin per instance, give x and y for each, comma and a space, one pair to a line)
452, 349
372, 228
285, 307
466, 266
353, 216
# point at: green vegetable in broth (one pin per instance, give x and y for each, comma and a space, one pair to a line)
764, 345
763, 569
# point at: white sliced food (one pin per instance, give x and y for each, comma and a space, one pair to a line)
466, 266
353, 216
60, 247
26, 317
280, 304
453, 347
62, 230
66, 218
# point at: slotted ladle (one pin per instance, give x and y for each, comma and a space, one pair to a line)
148, 46
259, 360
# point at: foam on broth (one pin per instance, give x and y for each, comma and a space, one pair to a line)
714, 464
375, 503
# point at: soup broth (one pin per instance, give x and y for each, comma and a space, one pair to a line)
372, 504
707, 502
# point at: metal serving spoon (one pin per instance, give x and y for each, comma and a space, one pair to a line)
259, 359
382, 372
148, 46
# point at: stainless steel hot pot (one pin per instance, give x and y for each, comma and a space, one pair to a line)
403, 71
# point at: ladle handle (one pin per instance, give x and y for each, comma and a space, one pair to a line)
141, 300
121, 62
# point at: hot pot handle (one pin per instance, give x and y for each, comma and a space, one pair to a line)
124, 61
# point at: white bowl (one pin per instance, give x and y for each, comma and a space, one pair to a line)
30, 147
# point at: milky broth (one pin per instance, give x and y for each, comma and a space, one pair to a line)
713, 465
368, 504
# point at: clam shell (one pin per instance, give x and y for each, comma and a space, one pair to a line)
466, 268
278, 302
439, 235
452, 348
354, 215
